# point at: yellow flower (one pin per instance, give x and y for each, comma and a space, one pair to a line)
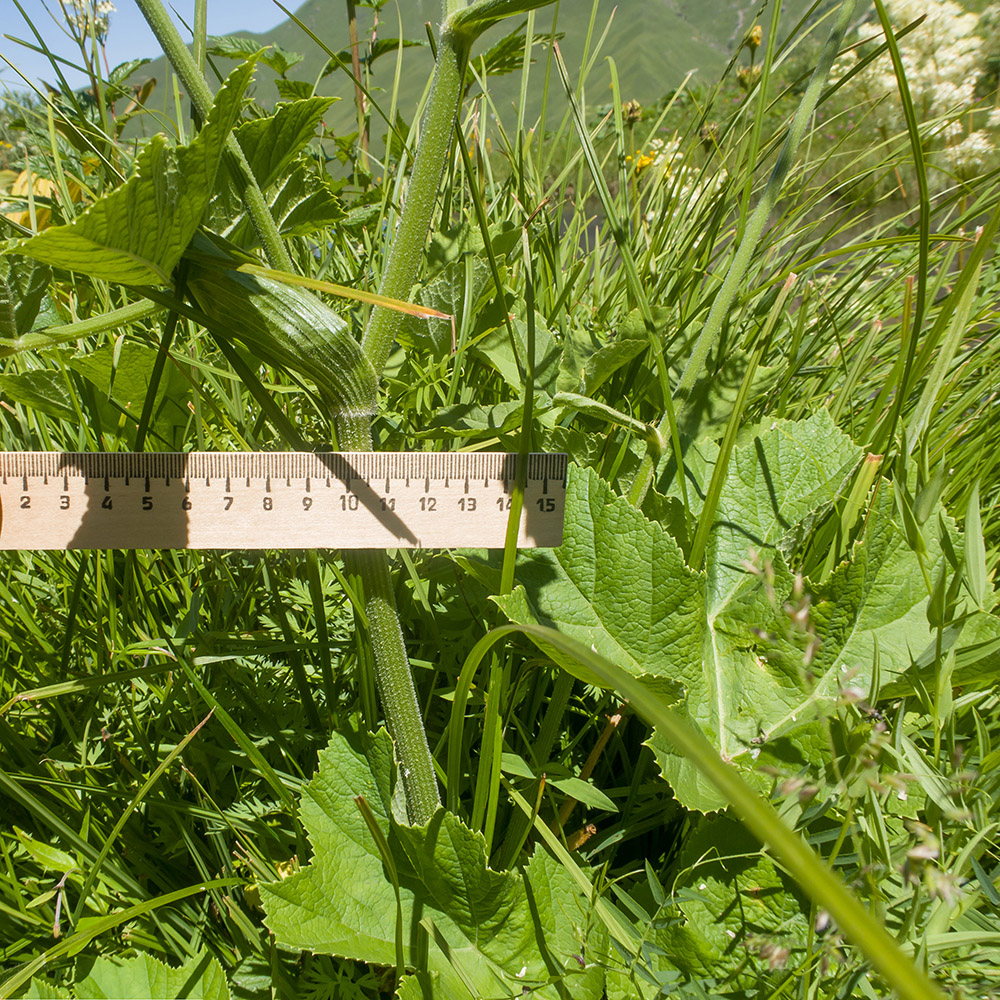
642, 163
753, 38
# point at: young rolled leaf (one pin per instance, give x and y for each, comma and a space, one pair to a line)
136, 234
285, 325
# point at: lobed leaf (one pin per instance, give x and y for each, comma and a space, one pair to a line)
143, 978
619, 584
491, 933
137, 233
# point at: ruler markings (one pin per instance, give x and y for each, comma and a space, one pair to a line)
195, 500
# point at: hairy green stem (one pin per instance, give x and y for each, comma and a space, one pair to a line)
392, 669
53, 335
393, 676
407, 250
460, 25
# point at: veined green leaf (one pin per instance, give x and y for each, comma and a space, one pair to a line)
41, 990
271, 143
728, 891
587, 363
238, 47
619, 584
492, 933
23, 284
136, 234
145, 978
125, 376
301, 202
495, 350
41, 389
447, 294
50, 858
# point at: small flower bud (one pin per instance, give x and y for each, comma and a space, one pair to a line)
632, 112
747, 76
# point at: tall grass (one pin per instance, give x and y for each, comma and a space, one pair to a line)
160, 711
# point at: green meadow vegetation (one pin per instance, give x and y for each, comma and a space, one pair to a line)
735, 737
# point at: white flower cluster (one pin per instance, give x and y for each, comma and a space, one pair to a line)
81, 14
943, 58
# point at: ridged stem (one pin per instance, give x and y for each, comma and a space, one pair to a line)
393, 676
406, 253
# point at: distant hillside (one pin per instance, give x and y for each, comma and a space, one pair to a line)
654, 43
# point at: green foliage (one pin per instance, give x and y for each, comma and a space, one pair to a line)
823, 616
23, 286
142, 977
756, 652
272, 143
237, 47
137, 233
488, 933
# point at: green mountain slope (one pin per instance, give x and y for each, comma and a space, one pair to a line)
654, 43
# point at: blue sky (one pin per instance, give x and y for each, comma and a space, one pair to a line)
129, 38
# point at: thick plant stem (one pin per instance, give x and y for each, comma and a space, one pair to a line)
407, 250
392, 668
201, 97
393, 677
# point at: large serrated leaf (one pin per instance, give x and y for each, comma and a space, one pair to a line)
492, 933
271, 143
733, 900
620, 585
136, 234
877, 597
144, 978
341, 904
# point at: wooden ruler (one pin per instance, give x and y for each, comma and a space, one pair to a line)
281, 500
